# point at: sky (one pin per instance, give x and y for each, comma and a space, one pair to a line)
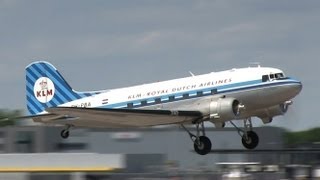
102, 44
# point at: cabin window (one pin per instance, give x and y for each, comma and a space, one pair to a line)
265, 78
185, 96
143, 103
199, 93
214, 91
157, 100
171, 98
130, 105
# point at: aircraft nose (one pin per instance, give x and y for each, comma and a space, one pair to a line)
297, 87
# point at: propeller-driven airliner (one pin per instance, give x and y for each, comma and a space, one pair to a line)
217, 97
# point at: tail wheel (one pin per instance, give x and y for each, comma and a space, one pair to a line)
203, 145
251, 141
64, 134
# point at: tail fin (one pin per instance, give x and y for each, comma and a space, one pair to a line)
46, 88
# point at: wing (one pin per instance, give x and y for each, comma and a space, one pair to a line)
97, 117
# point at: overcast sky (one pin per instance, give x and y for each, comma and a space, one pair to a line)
101, 44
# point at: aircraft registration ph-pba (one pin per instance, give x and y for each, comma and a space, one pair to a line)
217, 97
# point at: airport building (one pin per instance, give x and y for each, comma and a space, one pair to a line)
38, 151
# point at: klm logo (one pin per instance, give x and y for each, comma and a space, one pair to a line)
44, 90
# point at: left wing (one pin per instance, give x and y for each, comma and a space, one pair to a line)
98, 117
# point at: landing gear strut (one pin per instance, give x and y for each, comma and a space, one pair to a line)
65, 132
201, 143
250, 139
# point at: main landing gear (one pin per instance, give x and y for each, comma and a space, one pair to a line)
201, 143
250, 139
65, 132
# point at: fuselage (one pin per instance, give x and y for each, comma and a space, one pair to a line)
255, 87
217, 97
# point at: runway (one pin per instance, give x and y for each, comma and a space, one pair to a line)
266, 151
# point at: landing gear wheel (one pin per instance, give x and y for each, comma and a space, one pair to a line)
252, 141
202, 147
64, 134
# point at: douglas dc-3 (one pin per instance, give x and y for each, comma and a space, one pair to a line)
217, 97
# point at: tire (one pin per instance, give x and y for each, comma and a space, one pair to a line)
64, 134
252, 141
204, 147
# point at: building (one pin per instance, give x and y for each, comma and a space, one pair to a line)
95, 152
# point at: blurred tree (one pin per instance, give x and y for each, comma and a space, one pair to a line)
302, 137
7, 117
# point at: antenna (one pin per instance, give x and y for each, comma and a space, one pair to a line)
191, 74
254, 64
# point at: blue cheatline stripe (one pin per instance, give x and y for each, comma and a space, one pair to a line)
60, 82
81, 95
236, 87
78, 96
246, 83
59, 87
260, 85
88, 94
55, 101
164, 98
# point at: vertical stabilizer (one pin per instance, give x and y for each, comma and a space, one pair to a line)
45, 87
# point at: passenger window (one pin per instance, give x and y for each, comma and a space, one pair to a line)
130, 105
214, 91
157, 100
143, 103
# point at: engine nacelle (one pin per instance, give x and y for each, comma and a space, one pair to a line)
224, 109
268, 114
277, 110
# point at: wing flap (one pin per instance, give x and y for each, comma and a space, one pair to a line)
92, 117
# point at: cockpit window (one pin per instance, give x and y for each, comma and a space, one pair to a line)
272, 77
279, 75
265, 78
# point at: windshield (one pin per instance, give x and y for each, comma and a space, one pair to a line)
273, 76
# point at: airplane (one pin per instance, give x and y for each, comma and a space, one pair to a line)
216, 97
